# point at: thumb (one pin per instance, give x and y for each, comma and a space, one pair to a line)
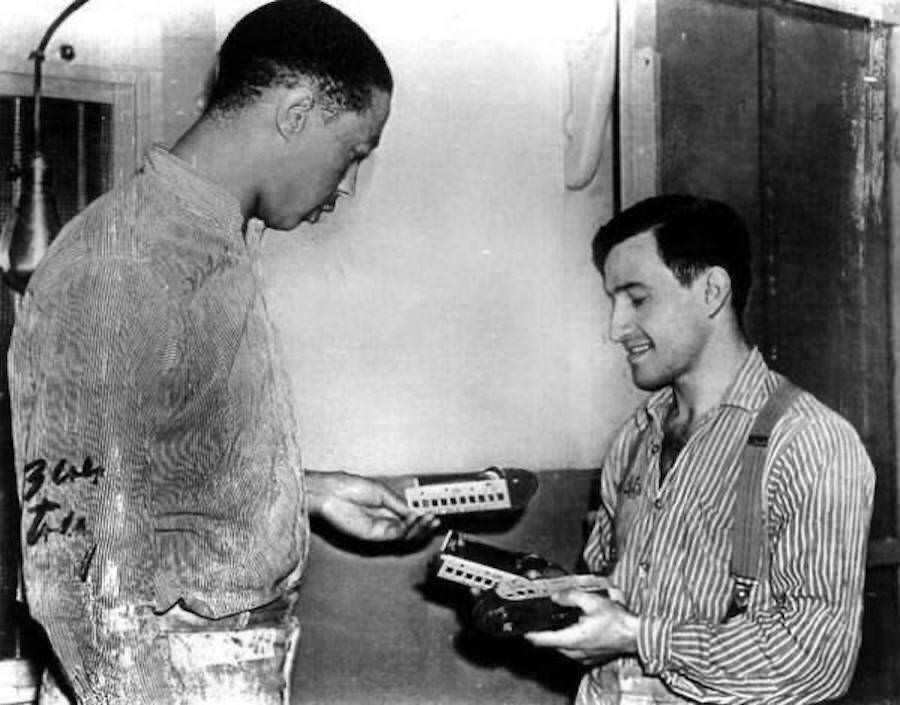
616, 595
586, 601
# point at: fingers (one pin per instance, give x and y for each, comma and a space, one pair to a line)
421, 525
386, 526
574, 654
398, 520
393, 502
557, 639
416, 524
569, 637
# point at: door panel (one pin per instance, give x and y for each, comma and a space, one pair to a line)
778, 109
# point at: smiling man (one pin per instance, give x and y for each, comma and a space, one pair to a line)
682, 625
165, 506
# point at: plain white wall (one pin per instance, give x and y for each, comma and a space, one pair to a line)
448, 317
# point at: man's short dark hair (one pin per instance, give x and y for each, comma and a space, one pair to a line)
692, 234
286, 42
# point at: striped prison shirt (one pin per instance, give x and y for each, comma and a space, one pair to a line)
668, 547
154, 432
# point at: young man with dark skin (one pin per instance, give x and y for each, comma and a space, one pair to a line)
677, 273
164, 503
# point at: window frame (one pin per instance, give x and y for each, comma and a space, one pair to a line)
128, 92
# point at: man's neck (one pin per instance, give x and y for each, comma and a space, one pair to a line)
704, 387
213, 151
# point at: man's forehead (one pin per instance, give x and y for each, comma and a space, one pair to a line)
634, 261
381, 100
359, 131
640, 248
380, 110
370, 121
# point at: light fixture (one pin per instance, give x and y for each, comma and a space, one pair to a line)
33, 222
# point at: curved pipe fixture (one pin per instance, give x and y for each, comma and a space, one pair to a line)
34, 222
38, 57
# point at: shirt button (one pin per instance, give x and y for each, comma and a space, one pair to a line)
658, 503
654, 448
644, 566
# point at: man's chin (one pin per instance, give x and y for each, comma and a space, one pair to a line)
290, 223
647, 383
283, 226
315, 216
280, 221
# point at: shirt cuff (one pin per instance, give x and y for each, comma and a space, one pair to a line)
654, 643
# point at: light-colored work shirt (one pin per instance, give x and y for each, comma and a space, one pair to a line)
155, 440
669, 547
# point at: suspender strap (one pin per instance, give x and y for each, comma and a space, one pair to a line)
748, 533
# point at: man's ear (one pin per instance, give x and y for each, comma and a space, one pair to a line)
293, 112
717, 289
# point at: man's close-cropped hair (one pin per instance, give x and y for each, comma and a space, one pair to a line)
692, 234
286, 42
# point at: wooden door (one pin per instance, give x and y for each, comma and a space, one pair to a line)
779, 109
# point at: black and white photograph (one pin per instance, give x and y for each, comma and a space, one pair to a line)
395, 352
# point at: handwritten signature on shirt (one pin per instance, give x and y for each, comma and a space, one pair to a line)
49, 517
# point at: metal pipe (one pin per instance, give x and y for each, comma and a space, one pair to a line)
81, 157
38, 57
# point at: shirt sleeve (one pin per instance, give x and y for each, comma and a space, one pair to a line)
85, 351
87, 359
798, 640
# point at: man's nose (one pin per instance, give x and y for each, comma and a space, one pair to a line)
347, 187
618, 323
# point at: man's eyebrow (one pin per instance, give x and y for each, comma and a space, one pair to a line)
626, 286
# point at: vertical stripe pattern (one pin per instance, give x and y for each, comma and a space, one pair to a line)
155, 440
668, 548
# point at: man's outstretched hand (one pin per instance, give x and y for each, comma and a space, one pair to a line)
364, 508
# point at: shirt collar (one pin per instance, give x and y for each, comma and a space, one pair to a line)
204, 198
752, 384
748, 391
